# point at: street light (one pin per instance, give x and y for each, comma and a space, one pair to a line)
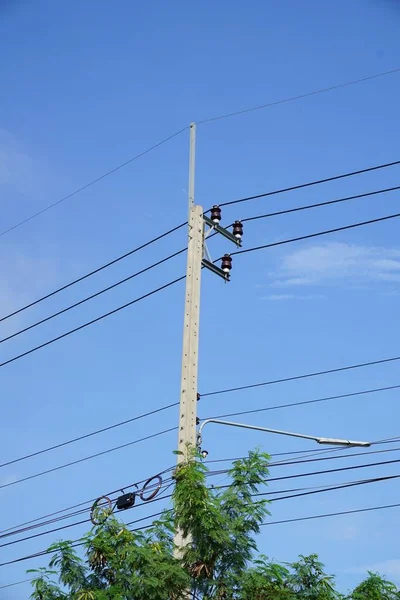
318, 439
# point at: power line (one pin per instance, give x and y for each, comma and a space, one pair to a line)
303, 376
340, 486
8, 585
319, 204
99, 293
88, 185
302, 403
101, 268
100, 318
303, 493
172, 405
334, 487
335, 514
318, 234
299, 97
311, 183
87, 435
80, 460
16, 529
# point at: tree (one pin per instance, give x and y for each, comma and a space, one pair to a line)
375, 587
221, 561
119, 564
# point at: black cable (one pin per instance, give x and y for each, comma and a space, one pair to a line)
283, 478
107, 289
8, 585
79, 543
80, 460
308, 491
317, 234
299, 97
316, 400
87, 504
87, 435
333, 487
318, 204
335, 514
111, 312
87, 185
311, 183
305, 376
105, 266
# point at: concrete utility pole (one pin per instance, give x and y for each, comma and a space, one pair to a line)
188, 399
196, 260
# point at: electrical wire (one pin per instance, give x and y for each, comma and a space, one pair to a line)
334, 487
172, 405
300, 186
302, 403
8, 585
303, 376
87, 435
16, 529
299, 97
105, 266
80, 543
96, 320
86, 520
99, 293
319, 204
283, 478
91, 183
317, 234
335, 514
80, 460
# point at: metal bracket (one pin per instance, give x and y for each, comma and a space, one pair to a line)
209, 265
227, 234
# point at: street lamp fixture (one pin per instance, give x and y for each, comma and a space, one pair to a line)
318, 439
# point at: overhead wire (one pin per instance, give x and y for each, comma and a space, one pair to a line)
93, 181
298, 97
312, 183
96, 320
319, 204
334, 514
305, 402
171, 482
87, 275
87, 435
99, 293
81, 460
87, 504
302, 376
77, 543
317, 234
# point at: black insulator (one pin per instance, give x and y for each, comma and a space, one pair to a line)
238, 230
226, 264
216, 214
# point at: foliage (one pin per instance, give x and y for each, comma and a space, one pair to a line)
375, 587
219, 560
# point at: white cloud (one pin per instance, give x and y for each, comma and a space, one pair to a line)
337, 262
280, 297
388, 568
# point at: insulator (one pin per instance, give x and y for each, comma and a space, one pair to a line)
226, 264
238, 230
216, 214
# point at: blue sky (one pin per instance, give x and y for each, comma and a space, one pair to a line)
85, 86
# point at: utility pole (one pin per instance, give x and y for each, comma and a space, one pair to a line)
198, 257
188, 399
190, 353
